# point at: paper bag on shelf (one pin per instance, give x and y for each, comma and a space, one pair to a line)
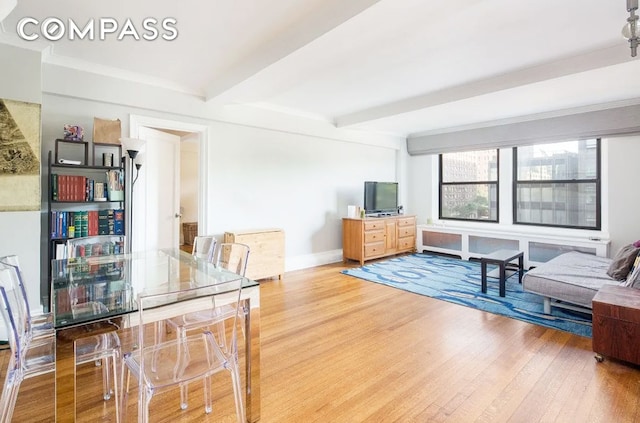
107, 131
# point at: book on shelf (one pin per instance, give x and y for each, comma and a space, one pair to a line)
118, 227
77, 188
60, 251
92, 222
86, 223
54, 187
99, 191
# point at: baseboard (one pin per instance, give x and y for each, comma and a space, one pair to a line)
312, 260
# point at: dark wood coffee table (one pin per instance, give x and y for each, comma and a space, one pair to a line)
501, 258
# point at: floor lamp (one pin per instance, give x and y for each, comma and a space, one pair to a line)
133, 158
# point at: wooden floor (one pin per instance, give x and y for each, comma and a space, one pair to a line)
339, 349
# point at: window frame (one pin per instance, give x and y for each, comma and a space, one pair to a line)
597, 181
496, 183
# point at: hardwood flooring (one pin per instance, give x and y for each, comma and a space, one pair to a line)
339, 349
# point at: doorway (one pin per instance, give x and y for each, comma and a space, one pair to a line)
161, 200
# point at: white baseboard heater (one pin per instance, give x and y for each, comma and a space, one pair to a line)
473, 244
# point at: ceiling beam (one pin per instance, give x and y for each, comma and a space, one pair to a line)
332, 14
607, 56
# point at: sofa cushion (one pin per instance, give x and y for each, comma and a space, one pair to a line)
622, 262
573, 277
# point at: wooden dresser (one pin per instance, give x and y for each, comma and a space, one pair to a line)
616, 323
375, 237
266, 258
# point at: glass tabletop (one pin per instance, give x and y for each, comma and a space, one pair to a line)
93, 288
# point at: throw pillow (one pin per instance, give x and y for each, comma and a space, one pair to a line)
633, 279
623, 260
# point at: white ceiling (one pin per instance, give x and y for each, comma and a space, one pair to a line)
406, 67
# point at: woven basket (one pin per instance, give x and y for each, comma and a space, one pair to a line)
189, 230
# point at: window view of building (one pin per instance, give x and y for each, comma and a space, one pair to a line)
558, 184
469, 185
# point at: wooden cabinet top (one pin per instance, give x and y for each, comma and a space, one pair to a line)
620, 296
399, 216
253, 231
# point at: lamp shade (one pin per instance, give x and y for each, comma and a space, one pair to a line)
140, 158
132, 146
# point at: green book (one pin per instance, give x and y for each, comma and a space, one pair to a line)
54, 187
84, 223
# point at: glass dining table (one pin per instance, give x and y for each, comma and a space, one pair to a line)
114, 281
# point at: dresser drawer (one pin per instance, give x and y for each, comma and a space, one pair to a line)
405, 231
407, 243
374, 250
373, 236
374, 225
407, 221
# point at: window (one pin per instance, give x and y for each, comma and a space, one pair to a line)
469, 185
558, 184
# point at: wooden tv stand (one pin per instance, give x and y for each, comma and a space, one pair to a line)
376, 237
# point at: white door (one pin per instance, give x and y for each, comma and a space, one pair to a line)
156, 194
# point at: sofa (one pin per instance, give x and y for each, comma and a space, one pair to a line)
571, 280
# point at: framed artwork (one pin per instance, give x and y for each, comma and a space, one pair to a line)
19, 155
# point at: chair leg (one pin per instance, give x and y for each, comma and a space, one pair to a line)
181, 335
148, 394
124, 392
158, 337
184, 396
208, 401
106, 382
115, 364
9, 397
237, 388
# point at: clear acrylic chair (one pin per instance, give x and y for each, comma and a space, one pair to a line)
104, 349
204, 247
101, 245
232, 257
39, 325
166, 365
29, 357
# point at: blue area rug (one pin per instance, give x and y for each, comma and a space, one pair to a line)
458, 281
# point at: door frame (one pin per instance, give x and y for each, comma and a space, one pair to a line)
138, 121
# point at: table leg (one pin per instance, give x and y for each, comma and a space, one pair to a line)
252, 345
483, 271
502, 278
520, 268
65, 378
66, 365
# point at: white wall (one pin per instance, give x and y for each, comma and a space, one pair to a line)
623, 194
300, 178
303, 184
421, 188
620, 198
20, 80
188, 181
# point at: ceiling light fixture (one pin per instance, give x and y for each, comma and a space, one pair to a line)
630, 30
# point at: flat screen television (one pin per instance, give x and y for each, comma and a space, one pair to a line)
380, 198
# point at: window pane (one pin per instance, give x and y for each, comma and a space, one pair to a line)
472, 201
571, 204
558, 161
470, 166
